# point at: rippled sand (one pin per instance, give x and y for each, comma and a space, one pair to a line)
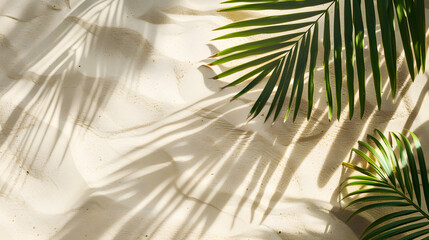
111, 128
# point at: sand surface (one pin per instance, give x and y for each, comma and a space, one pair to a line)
111, 128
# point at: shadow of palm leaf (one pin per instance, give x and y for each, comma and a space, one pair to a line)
67, 78
152, 174
198, 166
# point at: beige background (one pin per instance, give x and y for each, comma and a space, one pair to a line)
111, 128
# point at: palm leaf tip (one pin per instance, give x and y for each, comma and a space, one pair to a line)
408, 217
348, 29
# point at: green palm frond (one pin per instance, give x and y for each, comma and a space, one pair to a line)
399, 181
288, 48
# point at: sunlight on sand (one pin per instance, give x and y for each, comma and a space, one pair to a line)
112, 128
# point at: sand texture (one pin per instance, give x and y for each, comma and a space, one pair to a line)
112, 128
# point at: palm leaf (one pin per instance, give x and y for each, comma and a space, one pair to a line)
408, 215
297, 32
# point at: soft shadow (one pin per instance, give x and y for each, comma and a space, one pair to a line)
199, 166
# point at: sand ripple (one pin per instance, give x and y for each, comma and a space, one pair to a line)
112, 129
